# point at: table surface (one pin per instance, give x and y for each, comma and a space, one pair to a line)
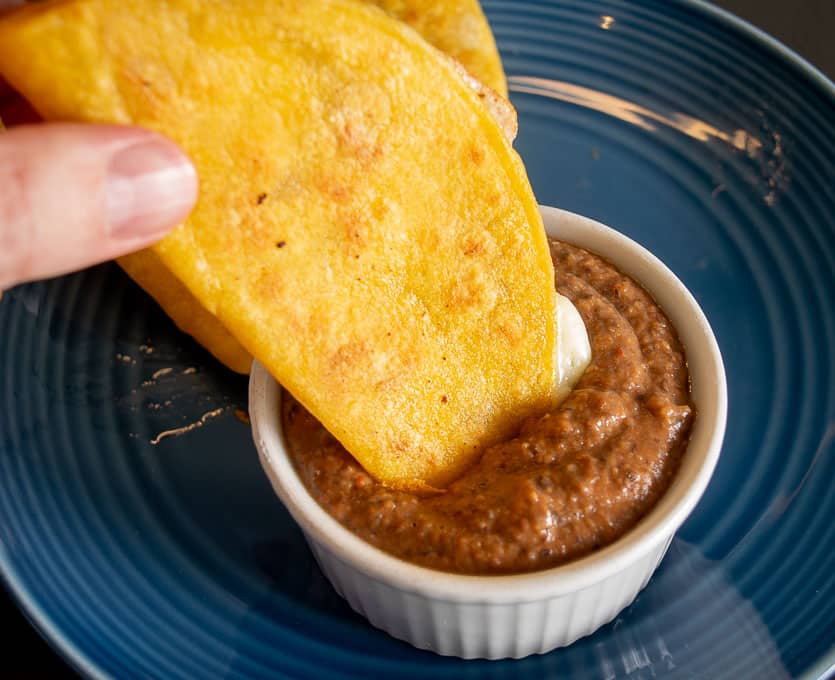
807, 26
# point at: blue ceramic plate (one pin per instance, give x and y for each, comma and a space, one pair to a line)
140, 535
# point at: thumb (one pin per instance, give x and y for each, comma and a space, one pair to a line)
75, 195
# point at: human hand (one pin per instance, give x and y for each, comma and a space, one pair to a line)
74, 195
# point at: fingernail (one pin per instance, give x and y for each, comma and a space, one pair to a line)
151, 186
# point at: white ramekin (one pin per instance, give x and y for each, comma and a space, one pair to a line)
513, 616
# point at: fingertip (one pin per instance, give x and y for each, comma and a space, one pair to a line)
75, 195
150, 187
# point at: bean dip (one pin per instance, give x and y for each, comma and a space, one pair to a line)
572, 480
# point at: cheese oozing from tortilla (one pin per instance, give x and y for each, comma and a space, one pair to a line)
572, 351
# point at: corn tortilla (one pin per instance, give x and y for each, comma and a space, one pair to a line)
457, 27
364, 227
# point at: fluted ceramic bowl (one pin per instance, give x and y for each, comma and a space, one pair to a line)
514, 616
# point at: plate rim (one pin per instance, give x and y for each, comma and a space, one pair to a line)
43, 624
26, 602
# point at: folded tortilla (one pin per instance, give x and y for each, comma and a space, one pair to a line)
364, 227
457, 27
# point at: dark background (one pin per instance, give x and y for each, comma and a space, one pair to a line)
807, 26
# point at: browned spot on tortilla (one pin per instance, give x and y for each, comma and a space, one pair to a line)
360, 138
356, 234
332, 188
271, 285
473, 290
348, 357
474, 245
476, 155
510, 327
